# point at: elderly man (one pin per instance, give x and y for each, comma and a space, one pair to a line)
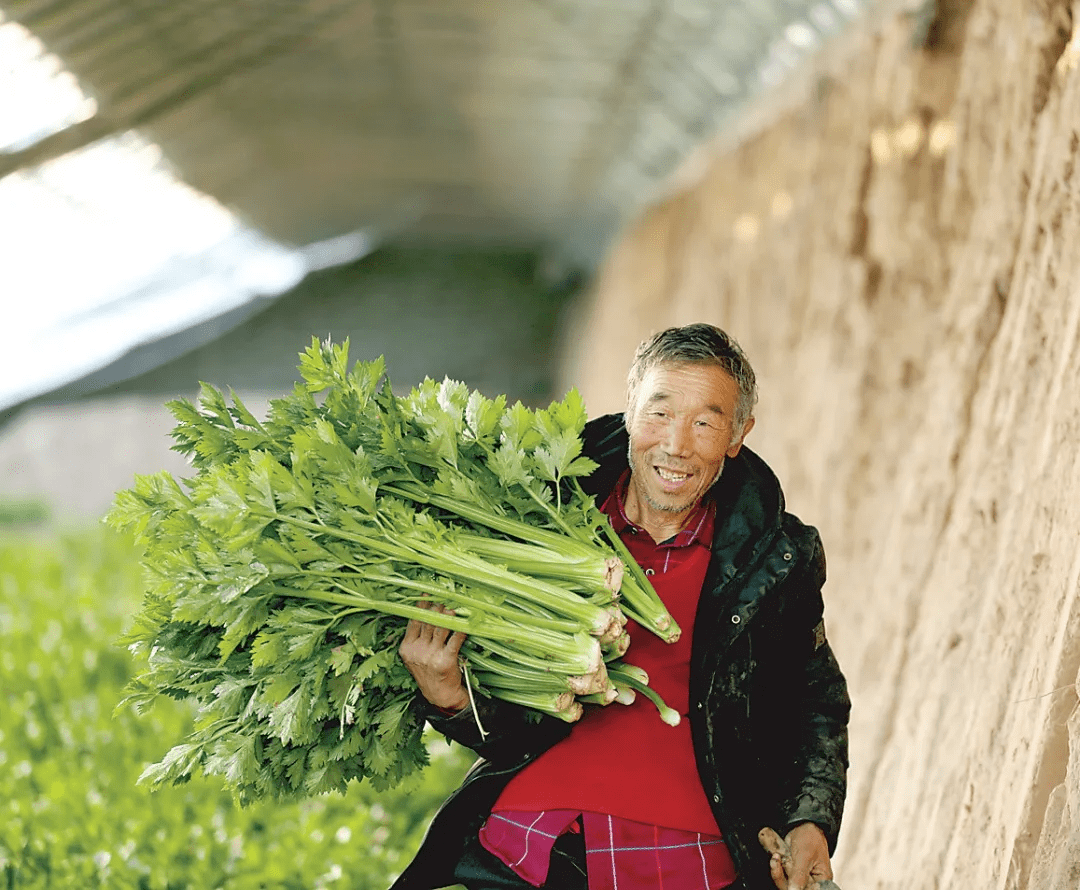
620, 799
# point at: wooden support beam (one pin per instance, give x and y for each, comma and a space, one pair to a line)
61, 143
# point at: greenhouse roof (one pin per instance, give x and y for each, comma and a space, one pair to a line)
162, 164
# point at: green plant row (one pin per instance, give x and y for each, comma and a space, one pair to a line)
71, 814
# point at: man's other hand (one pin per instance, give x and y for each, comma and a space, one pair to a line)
809, 860
431, 655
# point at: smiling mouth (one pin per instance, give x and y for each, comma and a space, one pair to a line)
671, 475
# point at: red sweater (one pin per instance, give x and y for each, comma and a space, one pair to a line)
623, 760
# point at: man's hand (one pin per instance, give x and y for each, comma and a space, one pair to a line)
805, 860
431, 655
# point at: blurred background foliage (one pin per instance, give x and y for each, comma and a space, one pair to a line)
71, 813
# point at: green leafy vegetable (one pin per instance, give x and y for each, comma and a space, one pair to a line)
282, 574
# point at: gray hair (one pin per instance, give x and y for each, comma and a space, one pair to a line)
697, 344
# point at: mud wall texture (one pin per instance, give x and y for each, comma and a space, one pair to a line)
899, 253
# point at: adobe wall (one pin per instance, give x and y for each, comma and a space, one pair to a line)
899, 253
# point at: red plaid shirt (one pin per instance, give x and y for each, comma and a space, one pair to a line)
620, 850
619, 853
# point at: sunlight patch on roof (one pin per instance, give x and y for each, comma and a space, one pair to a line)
81, 229
84, 233
77, 230
38, 96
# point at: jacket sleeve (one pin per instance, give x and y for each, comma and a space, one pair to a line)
498, 731
819, 782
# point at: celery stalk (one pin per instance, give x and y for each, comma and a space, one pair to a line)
557, 704
452, 562
635, 588
669, 715
587, 684
569, 653
629, 670
617, 647
606, 697
588, 660
452, 596
538, 682
594, 572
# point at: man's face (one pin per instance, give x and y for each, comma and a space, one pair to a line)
681, 430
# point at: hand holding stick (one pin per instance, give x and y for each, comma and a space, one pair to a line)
777, 846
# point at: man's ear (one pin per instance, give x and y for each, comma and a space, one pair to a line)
737, 442
628, 411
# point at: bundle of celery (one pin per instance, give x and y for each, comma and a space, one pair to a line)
282, 573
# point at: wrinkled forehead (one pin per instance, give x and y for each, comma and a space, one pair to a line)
706, 384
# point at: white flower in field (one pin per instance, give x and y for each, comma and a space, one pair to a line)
334, 873
102, 858
317, 836
343, 835
126, 849
53, 634
67, 737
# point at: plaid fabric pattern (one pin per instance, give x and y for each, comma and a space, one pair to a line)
619, 854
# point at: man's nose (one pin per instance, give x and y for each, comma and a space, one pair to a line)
677, 438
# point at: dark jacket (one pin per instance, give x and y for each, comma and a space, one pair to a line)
768, 703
